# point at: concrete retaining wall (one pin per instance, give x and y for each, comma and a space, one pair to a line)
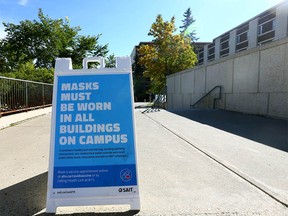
254, 81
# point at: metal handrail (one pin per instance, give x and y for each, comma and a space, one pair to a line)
21, 80
208, 94
159, 101
18, 95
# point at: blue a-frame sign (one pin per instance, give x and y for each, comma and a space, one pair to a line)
93, 158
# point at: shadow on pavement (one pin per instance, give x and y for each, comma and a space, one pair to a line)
268, 131
127, 213
25, 198
29, 198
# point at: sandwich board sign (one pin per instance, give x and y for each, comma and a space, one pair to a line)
93, 149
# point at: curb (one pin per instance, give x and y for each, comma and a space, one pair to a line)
15, 119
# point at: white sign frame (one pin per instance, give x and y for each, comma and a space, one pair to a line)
83, 196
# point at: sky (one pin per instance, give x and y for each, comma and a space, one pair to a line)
124, 23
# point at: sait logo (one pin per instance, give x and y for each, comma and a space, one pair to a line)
130, 189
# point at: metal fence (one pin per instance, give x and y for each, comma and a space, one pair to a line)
22, 95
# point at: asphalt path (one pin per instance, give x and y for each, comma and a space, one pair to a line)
267, 131
175, 177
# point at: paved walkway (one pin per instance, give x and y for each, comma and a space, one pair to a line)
257, 163
185, 168
267, 131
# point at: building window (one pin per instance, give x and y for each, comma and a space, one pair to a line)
266, 27
200, 56
242, 37
211, 51
224, 45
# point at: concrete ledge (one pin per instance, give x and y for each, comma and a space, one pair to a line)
10, 120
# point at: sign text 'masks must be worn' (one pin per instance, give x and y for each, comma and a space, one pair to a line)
75, 92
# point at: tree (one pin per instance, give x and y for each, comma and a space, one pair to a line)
85, 47
168, 54
187, 24
41, 41
110, 61
141, 84
27, 71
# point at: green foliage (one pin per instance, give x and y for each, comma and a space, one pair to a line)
110, 61
187, 24
27, 71
41, 42
85, 47
141, 84
168, 54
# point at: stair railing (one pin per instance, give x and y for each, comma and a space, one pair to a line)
208, 94
159, 101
